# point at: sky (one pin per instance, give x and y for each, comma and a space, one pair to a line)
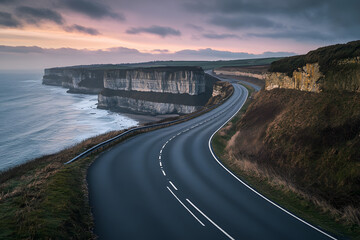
36, 34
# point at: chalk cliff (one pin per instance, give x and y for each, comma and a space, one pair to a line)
160, 90
164, 80
78, 80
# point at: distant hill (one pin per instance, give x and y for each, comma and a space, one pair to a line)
206, 65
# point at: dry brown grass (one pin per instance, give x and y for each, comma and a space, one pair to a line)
305, 144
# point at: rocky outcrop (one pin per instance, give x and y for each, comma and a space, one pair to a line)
326, 69
308, 78
160, 90
76, 80
344, 75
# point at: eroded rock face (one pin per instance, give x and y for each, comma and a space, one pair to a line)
162, 80
77, 80
157, 90
308, 78
160, 90
344, 75
125, 104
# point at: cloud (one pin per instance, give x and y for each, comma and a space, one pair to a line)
299, 35
212, 54
321, 17
7, 20
243, 21
20, 49
160, 51
195, 27
156, 30
219, 36
7, 2
82, 29
37, 15
123, 52
92, 9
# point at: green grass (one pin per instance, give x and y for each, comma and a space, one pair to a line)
47, 202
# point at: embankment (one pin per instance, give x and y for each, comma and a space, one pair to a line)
301, 137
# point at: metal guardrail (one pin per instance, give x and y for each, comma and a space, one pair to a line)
128, 132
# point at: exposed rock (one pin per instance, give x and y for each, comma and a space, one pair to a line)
125, 104
307, 78
157, 90
160, 90
164, 80
77, 80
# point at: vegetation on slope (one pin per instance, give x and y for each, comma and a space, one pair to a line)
44, 199
302, 149
327, 58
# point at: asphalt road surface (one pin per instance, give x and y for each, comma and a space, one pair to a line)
166, 184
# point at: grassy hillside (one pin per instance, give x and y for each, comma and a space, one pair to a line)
302, 143
327, 57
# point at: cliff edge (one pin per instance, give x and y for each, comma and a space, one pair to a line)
77, 80
332, 68
158, 90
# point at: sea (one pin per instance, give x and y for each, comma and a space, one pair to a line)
37, 120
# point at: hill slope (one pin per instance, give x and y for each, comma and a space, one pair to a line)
305, 143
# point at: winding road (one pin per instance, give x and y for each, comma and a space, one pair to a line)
166, 184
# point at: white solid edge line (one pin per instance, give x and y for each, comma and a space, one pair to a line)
259, 194
222, 230
173, 185
185, 207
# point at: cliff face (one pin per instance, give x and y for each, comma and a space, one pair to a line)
155, 90
77, 80
307, 78
127, 104
157, 80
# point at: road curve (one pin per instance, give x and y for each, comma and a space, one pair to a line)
166, 184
